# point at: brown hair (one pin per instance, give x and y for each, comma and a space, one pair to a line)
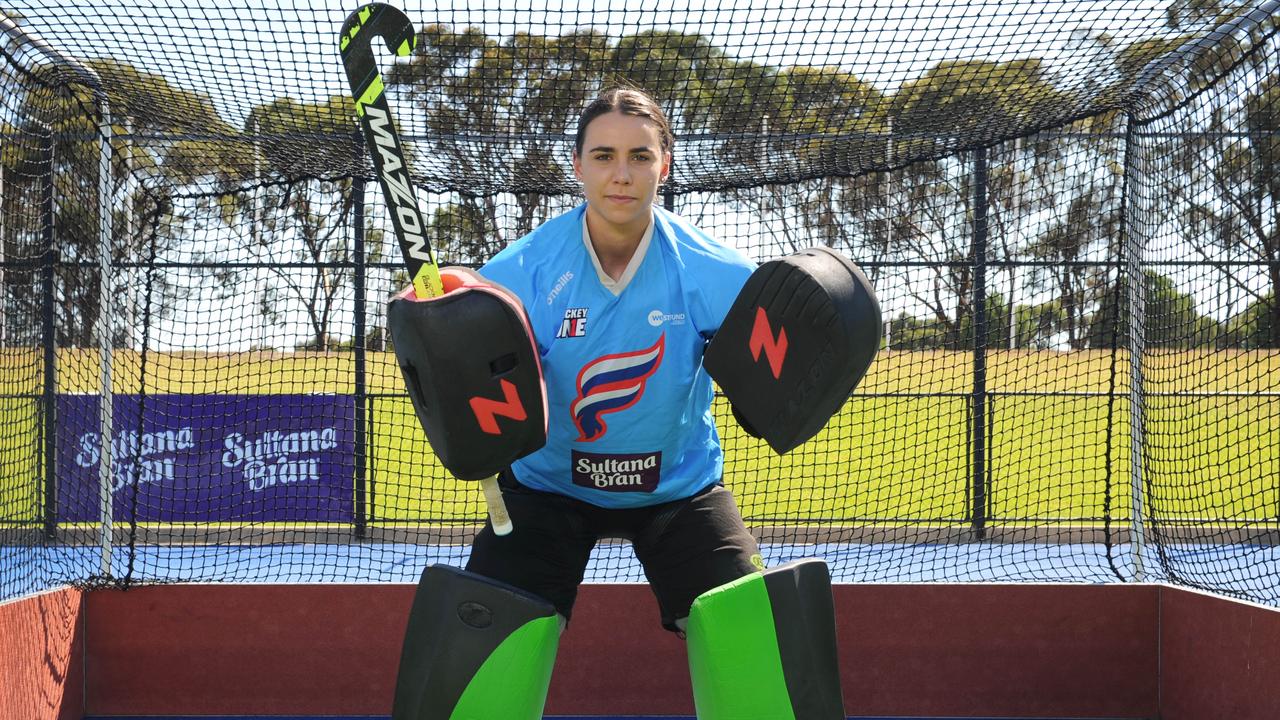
628, 101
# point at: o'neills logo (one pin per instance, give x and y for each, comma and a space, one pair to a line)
271, 458
560, 283
617, 473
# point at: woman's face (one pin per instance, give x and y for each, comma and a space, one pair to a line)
621, 166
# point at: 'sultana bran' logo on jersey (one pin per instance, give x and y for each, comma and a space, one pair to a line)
612, 383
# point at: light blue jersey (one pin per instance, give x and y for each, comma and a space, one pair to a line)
629, 403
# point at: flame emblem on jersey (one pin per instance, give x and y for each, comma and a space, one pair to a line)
611, 383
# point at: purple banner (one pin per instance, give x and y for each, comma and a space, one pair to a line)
208, 458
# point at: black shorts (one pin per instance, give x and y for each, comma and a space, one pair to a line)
687, 547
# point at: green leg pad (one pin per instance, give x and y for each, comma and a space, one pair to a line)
764, 647
475, 649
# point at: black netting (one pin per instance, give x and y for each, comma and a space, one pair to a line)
1070, 212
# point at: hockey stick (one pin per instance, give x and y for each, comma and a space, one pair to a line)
356, 45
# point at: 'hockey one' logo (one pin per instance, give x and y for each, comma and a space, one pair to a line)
612, 383
574, 323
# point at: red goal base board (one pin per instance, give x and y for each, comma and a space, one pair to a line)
918, 650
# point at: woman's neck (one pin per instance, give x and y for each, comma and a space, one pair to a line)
614, 245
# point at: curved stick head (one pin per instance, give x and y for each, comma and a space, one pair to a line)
356, 41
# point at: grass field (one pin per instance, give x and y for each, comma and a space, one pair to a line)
899, 450
20, 482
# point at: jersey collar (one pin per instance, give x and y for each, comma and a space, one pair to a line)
617, 286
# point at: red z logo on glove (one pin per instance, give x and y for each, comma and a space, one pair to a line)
487, 410
762, 339
612, 383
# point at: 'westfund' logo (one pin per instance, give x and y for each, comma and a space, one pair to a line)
617, 473
612, 383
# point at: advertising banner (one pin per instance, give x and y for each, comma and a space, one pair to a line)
210, 458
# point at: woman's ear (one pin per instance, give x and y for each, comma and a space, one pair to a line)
577, 166
666, 167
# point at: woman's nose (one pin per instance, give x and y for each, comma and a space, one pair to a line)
622, 174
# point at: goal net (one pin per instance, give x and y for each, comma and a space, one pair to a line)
1070, 212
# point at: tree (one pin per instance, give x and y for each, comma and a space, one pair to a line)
1037, 324
147, 219
1088, 219
999, 321
1171, 319
1230, 190
822, 122
960, 103
297, 226
680, 69
1255, 328
1071, 205
749, 121
459, 229
520, 96
967, 101
914, 333
1222, 168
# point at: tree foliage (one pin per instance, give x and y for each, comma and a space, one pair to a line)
1170, 321
146, 220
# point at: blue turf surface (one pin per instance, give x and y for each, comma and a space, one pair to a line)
55, 566
38, 568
